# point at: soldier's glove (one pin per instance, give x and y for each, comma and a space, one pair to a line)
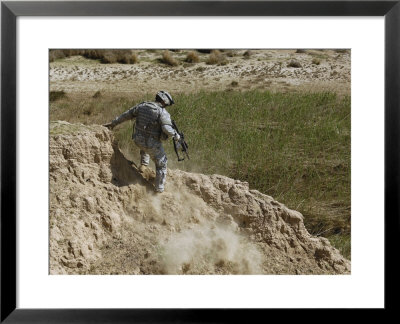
109, 125
177, 137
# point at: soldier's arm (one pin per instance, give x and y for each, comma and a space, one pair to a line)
166, 124
127, 115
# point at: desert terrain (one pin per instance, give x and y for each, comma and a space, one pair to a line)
283, 70
104, 215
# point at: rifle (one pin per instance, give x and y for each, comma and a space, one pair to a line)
180, 144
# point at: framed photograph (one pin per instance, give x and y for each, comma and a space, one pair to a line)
163, 159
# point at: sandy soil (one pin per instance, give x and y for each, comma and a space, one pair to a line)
104, 215
106, 219
319, 70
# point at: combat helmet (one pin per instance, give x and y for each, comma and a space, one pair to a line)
165, 97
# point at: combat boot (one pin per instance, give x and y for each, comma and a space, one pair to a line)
159, 190
142, 168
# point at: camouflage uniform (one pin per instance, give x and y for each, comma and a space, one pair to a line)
153, 123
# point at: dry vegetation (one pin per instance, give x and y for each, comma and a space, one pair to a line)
56, 95
124, 56
257, 117
216, 57
192, 57
316, 61
247, 54
294, 63
168, 59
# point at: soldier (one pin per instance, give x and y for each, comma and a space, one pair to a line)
153, 124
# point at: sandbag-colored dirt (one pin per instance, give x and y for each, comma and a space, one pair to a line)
106, 219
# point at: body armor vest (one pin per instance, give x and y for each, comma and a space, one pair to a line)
148, 120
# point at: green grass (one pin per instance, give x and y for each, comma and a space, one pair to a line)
292, 146
342, 243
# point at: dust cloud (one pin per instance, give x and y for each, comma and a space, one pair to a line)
210, 249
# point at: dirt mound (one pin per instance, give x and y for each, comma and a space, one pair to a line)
106, 219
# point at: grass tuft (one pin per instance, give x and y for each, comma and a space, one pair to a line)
216, 57
118, 56
57, 95
168, 59
247, 54
192, 57
294, 64
316, 61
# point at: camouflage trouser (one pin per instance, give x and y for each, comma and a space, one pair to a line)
152, 148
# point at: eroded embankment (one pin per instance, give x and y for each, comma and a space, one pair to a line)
106, 219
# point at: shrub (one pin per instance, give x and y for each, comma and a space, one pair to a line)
93, 54
72, 52
300, 51
216, 57
247, 54
234, 83
55, 54
97, 94
108, 58
168, 59
126, 57
116, 56
204, 51
123, 56
192, 57
56, 95
316, 61
294, 63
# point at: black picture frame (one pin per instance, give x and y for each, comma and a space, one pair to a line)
11, 10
